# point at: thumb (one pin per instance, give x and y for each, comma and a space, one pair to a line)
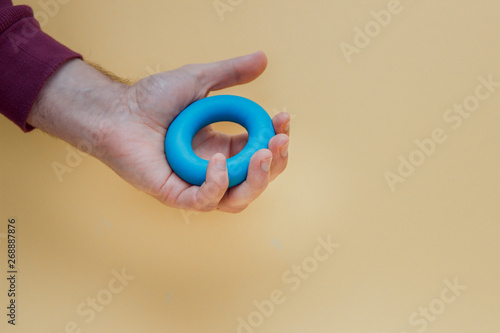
231, 72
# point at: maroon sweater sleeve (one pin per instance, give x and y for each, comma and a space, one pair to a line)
28, 57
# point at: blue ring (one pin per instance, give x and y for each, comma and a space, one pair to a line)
178, 141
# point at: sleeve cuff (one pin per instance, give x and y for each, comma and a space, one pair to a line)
28, 58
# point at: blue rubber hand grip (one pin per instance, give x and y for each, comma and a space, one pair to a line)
178, 141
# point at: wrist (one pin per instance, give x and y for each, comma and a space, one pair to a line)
73, 102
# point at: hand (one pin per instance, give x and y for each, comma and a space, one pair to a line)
126, 126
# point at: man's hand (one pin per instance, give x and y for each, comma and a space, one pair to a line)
125, 127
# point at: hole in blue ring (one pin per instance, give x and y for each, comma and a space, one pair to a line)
228, 127
223, 127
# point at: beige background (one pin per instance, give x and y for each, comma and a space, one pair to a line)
351, 122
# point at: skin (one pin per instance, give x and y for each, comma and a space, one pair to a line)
125, 126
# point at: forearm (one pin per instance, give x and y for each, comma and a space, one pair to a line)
73, 102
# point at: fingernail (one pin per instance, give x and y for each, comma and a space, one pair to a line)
220, 163
284, 150
266, 164
286, 128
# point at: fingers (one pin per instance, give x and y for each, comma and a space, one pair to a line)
207, 196
278, 145
215, 185
279, 148
281, 123
259, 173
265, 166
230, 72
